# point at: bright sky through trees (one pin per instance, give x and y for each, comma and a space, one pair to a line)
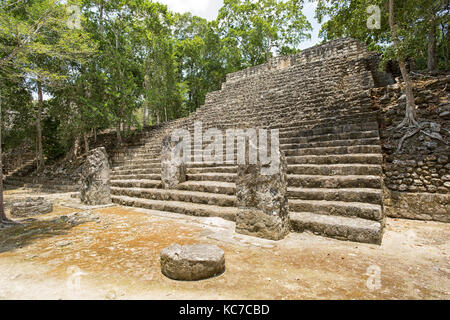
209, 9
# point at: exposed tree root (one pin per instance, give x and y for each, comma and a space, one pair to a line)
416, 127
8, 221
409, 120
410, 133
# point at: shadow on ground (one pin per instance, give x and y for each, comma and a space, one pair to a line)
31, 230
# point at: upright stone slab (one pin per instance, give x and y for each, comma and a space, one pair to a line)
262, 201
173, 169
95, 179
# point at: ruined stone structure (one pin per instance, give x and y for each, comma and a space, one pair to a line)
95, 187
173, 170
416, 178
319, 100
262, 201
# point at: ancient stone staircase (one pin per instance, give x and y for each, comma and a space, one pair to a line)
13, 177
319, 101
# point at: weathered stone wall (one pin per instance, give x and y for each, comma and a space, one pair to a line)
347, 47
422, 164
416, 178
418, 206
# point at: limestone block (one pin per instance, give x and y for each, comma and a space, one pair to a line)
95, 179
262, 201
418, 206
173, 168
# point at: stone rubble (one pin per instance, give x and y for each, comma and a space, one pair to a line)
31, 207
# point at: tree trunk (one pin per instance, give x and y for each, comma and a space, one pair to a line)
40, 154
119, 135
128, 127
410, 114
269, 47
445, 44
76, 146
146, 117
432, 55
86, 142
101, 17
2, 208
95, 134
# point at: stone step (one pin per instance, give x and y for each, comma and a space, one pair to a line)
335, 169
331, 137
286, 113
337, 159
337, 208
118, 172
334, 150
329, 130
286, 118
208, 165
177, 195
366, 195
224, 177
218, 169
209, 186
192, 209
358, 149
319, 127
134, 183
342, 228
331, 143
141, 176
139, 162
147, 157
335, 181
349, 120
285, 146
138, 166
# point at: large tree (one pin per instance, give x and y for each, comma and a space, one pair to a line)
257, 27
39, 40
200, 58
417, 23
410, 122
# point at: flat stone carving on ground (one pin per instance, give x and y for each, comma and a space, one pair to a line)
262, 201
192, 262
173, 168
31, 207
95, 179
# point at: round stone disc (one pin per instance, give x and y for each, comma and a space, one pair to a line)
192, 262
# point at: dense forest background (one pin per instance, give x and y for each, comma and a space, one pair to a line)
70, 69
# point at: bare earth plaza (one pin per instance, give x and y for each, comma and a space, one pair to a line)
151, 155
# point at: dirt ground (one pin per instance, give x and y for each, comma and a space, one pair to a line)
116, 256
